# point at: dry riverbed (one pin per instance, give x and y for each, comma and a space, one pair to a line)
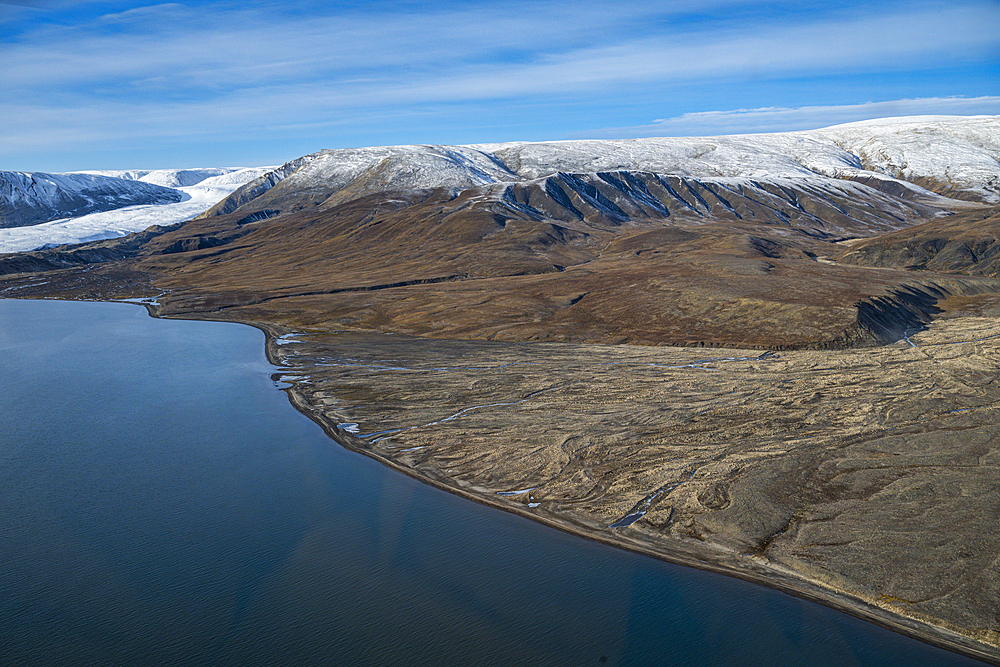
867, 478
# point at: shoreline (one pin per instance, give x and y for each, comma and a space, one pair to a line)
689, 552
699, 555
753, 569
762, 574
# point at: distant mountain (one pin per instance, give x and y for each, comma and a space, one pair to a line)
904, 159
770, 240
210, 185
32, 198
176, 178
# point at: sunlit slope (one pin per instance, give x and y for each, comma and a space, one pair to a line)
709, 241
949, 154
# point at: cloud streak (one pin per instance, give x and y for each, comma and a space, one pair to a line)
172, 70
174, 46
780, 119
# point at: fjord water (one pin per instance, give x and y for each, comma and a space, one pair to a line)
161, 502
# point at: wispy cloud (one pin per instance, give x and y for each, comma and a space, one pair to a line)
200, 69
778, 119
452, 55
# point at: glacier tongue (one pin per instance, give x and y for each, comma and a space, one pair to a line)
30, 198
209, 189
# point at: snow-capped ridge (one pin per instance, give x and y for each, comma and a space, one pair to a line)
404, 167
947, 153
958, 153
959, 156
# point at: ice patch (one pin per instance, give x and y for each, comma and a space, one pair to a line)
287, 338
515, 493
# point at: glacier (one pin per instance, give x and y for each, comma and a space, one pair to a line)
206, 187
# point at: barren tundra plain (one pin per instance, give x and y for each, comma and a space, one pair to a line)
789, 378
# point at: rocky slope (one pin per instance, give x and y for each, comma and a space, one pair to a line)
967, 243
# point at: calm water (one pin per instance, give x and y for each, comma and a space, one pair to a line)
162, 503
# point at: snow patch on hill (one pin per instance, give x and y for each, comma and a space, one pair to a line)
963, 153
401, 167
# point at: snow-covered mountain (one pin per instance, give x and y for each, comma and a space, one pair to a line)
31, 198
946, 154
208, 187
873, 164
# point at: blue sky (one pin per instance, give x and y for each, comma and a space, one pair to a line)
117, 85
